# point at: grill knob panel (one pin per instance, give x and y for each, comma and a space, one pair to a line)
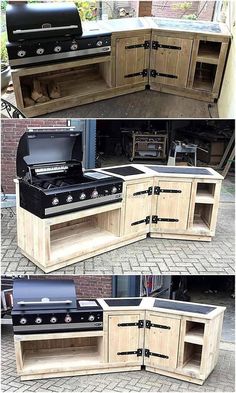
94, 194
55, 201
74, 46
69, 199
40, 51
53, 320
114, 190
99, 43
82, 196
57, 49
91, 318
68, 319
38, 320
23, 321
21, 53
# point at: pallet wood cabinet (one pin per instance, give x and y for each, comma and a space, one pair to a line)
132, 57
183, 345
169, 60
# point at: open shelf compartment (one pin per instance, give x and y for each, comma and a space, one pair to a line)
204, 76
73, 82
202, 216
205, 192
61, 354
192, 357
209, 52
84, 235
194, 332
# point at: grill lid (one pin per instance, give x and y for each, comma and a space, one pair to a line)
47, 148
43, 20
43, 294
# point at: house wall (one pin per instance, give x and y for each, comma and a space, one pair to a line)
227, 100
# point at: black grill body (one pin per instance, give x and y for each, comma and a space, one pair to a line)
51, 178
45, 306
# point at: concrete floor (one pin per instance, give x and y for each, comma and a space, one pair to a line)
143, 104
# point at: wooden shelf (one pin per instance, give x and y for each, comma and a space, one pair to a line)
195, 335
193, 365
78, 239
209, 52
60, 359
204, 197
201, 84
199, 225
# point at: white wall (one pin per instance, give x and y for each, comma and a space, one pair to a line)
227, 100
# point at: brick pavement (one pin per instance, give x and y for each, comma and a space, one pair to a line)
149, 256
221, 379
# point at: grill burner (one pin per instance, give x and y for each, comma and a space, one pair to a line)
52, 181
46, 33
51, 306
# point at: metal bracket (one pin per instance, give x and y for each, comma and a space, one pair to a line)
139, 324
145, 220
145, 45
148, 191
149, 324
156, 45
147, 354
158, 190
155, 219
142, 73
154, 74
139, 352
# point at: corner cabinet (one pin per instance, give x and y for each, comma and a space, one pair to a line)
132, 59
125, 337
169, 60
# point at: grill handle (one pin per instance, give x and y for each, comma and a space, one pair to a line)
23, 303
19, 31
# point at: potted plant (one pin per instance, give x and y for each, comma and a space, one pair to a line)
5, 68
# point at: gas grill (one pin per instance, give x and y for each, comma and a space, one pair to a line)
45, 306
51, 178
47, 32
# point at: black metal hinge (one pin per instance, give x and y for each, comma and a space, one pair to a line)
155, 219
139, 352
145, 220
156, 45
154, 74
145, 45
139, 324
158, 190
149, 324
147, 354
148, 191
142, 73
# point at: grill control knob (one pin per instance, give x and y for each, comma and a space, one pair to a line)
82, 196
21, 53
40, 51
91, 318
99, 43
69, 198
23, 321
74, 46
53, 320
57, 48
94, 194
114, 190
55, 201
68, 319
38, 320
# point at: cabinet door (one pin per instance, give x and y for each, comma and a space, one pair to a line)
171, 60
131, 59
162, 341
138, 202
123, 339
171, 206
